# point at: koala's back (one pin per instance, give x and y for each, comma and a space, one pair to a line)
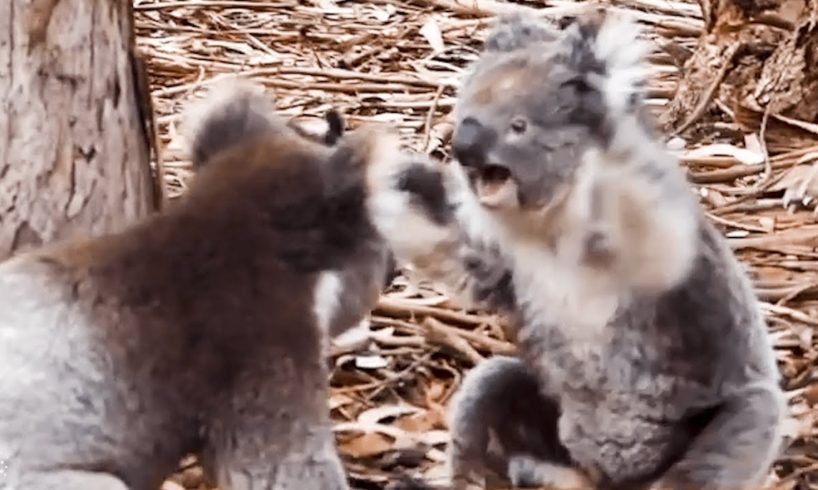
90, 378
125, 352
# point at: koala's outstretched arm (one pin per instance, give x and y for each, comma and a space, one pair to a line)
413, 202
737, 448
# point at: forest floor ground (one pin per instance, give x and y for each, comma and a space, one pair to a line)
400, 62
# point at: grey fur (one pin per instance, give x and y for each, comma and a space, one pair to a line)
633, 314
516, 31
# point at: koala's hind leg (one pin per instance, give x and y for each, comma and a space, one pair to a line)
737, 447
65, 480
501, 421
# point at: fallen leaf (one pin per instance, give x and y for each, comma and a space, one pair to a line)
743, 155
373, 361
431, 32
355, 336
368, 444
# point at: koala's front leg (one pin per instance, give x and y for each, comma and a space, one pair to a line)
273, 431
737, 448
501, 423
413, 204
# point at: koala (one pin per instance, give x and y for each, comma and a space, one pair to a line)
202, 328
644, 359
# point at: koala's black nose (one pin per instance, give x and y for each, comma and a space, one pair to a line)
471, 142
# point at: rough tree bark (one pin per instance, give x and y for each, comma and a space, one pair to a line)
759, 58
76, 130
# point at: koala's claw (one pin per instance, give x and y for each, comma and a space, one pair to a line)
803, 192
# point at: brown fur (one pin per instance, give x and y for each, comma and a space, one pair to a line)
197, 329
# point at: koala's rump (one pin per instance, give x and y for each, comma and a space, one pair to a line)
65, 398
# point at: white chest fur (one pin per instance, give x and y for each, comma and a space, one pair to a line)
554, 288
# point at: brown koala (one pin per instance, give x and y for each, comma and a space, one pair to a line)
200, 329
644, 357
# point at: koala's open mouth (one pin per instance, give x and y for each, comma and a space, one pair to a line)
494, 186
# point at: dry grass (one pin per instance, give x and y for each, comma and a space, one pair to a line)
400, 61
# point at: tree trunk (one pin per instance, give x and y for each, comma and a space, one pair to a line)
76, 132
759, 58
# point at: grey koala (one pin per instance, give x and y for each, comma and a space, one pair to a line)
644, 357
201, 329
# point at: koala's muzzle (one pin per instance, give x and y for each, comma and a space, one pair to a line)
472, 144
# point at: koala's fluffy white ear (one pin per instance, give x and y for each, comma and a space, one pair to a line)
233, 110
606, 49
514, 31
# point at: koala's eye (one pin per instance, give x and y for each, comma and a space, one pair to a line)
519, 125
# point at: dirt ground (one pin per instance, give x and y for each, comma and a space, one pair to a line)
400, 62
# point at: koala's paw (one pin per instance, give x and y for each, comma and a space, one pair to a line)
491, 280
424, 182
403, 179
526, 472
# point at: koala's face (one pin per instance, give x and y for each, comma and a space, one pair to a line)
528, 114
524, 120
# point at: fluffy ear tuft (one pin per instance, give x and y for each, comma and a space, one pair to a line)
377, 146
335, 127
513, 31
232, 111
607, 52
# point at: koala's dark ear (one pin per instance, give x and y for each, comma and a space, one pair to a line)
513, 31
335, 127
606, 53
232, 112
